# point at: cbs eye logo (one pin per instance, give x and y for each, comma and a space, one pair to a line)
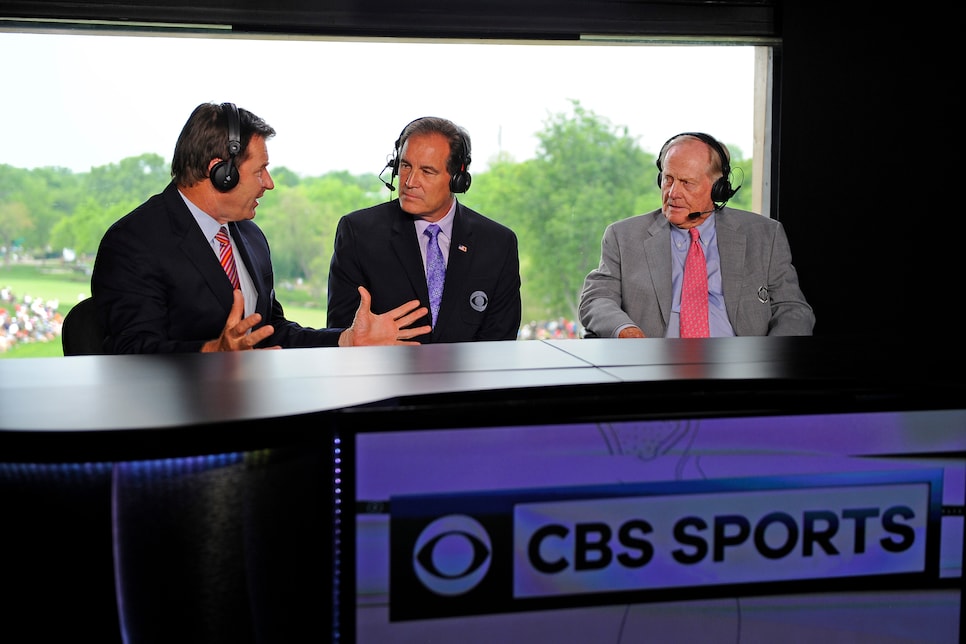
479, 300
452, 554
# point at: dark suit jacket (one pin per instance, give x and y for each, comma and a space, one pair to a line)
159, 287
377, 248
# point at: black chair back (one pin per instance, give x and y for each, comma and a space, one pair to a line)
81, 333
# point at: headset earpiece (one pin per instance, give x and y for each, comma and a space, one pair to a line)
461, 179
224, 175
721, 190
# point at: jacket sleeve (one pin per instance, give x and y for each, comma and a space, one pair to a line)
505, 311
790, 312
600, 308
345, 275
132, 290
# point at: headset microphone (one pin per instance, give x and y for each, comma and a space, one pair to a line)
384, 182
695, 215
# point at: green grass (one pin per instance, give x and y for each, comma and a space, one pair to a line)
51, 349
48, 281
68, 285
313, 317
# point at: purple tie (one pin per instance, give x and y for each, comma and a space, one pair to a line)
694, 293
435, 270
227, 257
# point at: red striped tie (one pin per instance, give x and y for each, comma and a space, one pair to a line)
226, 257
694, 293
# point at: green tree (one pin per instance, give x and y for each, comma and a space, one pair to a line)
108, 193
82, 230
48, 194
299, 221
15, 222
284, 178
132, 180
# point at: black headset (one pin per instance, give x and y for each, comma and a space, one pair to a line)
460, 180
721, 190
223, 175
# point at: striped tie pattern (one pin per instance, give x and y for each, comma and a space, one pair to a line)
694, 293
435, 270
227, 257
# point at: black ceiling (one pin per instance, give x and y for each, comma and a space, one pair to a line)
491, 19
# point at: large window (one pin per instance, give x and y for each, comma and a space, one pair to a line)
564, 132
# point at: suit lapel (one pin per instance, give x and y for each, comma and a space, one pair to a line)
196, 249
253, 261
731, 251
406, 248
657, 250
461, 250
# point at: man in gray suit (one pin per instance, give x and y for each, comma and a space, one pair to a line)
752, 285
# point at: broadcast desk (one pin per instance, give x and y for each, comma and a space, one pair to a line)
92, 403
208, 497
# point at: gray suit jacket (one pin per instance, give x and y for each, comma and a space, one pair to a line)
632, 285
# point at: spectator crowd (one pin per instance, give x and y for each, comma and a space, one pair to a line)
27, 319
559, 329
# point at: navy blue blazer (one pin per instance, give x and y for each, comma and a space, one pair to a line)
159, 288
377, 248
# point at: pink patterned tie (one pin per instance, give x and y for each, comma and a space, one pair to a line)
226, 257
694, 294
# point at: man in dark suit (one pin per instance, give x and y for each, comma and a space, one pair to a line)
159, 283
384, 248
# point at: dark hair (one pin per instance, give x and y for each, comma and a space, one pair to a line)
205, 137
459, 140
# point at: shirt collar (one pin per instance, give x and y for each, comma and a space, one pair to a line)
445, 224
706, 228
209, 227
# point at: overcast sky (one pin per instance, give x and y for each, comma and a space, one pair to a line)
79, 101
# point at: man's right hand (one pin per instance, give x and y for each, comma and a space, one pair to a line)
392, 327
235, 336
631, 332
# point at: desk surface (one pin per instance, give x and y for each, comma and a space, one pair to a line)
122, 395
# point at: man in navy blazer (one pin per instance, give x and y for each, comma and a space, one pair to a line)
158, 284
383, 248
752, 285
